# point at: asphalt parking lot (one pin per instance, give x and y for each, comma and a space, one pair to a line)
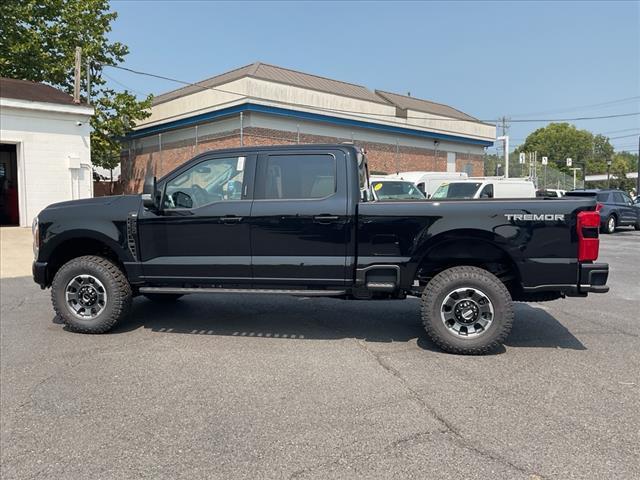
277, 387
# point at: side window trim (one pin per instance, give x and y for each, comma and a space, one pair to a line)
259, 190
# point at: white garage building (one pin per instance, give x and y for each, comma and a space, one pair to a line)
45, 153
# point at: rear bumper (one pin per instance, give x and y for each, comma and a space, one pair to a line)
593, 278
39, 270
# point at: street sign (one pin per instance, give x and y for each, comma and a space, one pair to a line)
544, 160
522, 157
569, 162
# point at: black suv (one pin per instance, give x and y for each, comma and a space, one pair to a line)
617, 209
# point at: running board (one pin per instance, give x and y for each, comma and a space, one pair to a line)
381, 286
301, 293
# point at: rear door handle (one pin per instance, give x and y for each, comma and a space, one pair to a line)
231, 219
325, 218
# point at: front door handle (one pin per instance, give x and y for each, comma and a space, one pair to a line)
231, 219
325, 218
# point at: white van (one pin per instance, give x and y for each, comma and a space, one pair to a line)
479, 188
428, 182
385, 188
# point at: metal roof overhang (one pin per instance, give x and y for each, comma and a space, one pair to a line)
283, 112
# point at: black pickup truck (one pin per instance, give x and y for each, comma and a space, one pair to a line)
301, 220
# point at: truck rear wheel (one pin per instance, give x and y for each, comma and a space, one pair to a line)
91, 294
467, 310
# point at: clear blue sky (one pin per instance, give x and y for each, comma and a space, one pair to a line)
519, 59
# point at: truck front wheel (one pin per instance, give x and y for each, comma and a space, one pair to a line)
90, 294
467, 310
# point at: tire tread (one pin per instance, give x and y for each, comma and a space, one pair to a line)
438, 283
121, 302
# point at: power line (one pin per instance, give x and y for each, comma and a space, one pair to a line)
123, 85
361, 114
618, 131
583, 107
615, 115
625, 136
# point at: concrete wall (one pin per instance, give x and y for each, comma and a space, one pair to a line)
53, 153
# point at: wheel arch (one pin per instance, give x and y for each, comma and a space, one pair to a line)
470, 247
79, 243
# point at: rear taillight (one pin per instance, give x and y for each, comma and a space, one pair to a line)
588, 241
599, 207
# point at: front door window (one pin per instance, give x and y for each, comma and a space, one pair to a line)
215, 180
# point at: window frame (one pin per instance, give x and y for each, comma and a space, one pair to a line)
262, 164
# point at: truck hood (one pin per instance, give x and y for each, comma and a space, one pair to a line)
110, 209
91, 202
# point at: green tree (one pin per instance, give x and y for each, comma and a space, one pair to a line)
602, 151
559, 141
622, 164
38, 43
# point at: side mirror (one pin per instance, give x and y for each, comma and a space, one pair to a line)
149, 192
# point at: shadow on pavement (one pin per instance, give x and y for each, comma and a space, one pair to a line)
323, 319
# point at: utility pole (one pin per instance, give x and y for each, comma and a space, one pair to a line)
505, 139
505, 126
638, 179
76, 84
88, 81
575, 169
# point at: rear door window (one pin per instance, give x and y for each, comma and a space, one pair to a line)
299, 177
618, 198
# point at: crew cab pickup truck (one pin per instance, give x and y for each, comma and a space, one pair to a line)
301, 220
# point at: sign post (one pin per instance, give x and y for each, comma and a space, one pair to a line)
545, 160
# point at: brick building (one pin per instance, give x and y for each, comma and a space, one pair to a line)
261, 104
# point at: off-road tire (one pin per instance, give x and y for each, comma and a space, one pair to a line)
162, 297
467, 277
115, 283
607, 225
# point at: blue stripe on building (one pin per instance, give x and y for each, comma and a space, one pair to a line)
283, 112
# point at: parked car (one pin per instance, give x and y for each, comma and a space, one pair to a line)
615, 206
384, 188
551, 193
299, 220
498, 188
428, 182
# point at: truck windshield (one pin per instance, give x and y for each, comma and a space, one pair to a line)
457, 190
394, 190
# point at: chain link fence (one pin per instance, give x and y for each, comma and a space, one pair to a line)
543, 176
